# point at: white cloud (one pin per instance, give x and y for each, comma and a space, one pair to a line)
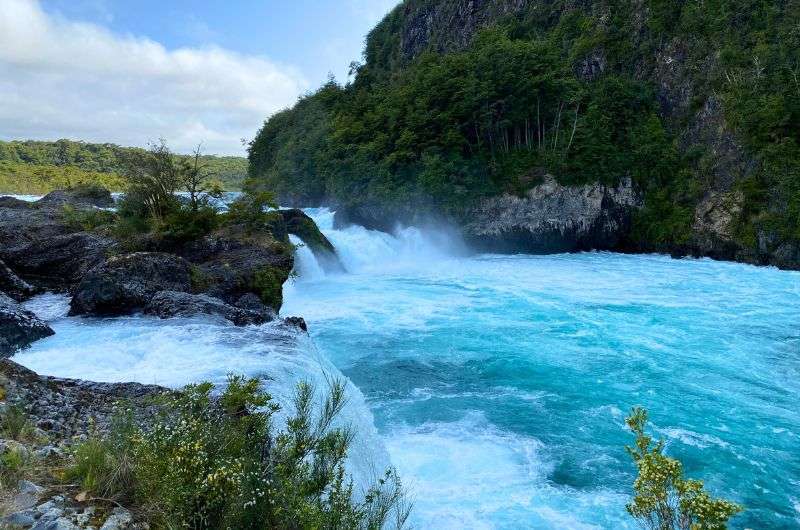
60, 78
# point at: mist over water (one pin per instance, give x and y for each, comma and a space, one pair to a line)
500, 384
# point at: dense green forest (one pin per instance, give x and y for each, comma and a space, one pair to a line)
38, 167
686, 97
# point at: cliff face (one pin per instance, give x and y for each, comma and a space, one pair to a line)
554, 218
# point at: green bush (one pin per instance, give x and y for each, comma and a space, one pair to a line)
210, 462
87, 218
251, 210
665, 500
15, 424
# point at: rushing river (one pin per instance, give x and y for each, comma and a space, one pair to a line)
498, 385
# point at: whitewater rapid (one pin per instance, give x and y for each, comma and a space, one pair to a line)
498, 385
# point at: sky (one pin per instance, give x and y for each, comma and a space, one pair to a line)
191, 72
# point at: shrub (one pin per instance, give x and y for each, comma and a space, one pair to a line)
15, 424
663, 499
251, 209
268, 284
210, 462
86, 218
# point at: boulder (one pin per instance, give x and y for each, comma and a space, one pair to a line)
60, 261
18, 327
232, 264
86, 195
41, 246
554, 218
125, 284
167, 304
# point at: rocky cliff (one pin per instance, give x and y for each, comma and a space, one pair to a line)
554, 218
459, 102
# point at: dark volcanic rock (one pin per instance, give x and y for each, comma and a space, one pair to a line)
125, 284
296, 322
301, 225
39, 245
167, 304
554, 218
230, 265
18, 327
59, 261
80, 195
13, 285
70, 407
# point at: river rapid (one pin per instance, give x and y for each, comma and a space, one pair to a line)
498, 385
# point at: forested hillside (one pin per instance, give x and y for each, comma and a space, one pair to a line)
39, 167
698, 101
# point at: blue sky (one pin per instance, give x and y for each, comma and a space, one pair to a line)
317, 37
130, 72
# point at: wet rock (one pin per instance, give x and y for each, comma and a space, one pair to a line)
19, 328
554, 218
296, 322
231, 265
301, 225
167, 304
125, 284
13, 285
60, 261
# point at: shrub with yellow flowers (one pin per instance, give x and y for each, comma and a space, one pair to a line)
663, 499
213, 462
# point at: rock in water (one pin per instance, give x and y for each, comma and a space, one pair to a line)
168, 304
18, 327
554, 218
125, 284
304, 227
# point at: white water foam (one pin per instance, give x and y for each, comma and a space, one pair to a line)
176, 352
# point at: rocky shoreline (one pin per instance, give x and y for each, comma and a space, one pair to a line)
232, 273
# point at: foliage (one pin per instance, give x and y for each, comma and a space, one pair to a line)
663, 498
577, 90
150, 203
268, 284
86, 218
37, 167
15, 424
215, 462
251, 209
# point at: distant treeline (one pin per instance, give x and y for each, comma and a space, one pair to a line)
38, 167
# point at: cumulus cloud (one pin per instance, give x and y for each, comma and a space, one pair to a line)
62, 78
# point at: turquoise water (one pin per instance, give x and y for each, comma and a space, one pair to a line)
499, 384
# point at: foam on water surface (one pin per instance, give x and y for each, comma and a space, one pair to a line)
500, 383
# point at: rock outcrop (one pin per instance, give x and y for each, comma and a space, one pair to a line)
168, 304
13, 285
301, 225
39, 244
69, 408
86, 195
125, 284
554, 218
18, 327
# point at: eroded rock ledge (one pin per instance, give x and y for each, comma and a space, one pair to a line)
554, 218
